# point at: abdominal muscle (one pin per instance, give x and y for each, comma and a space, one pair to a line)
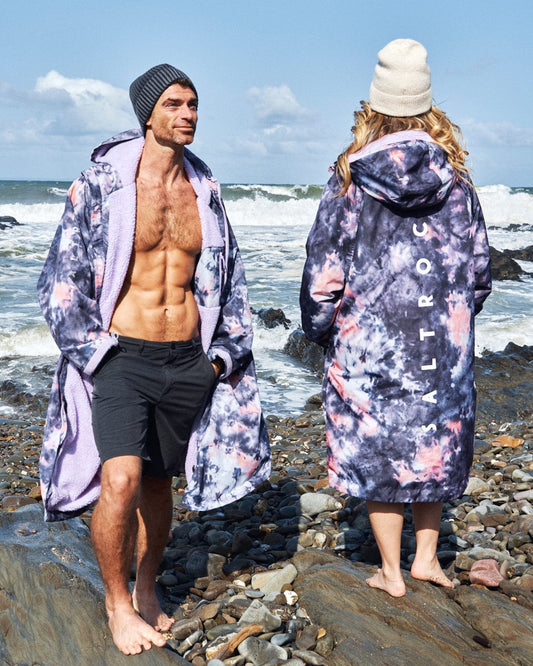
156, 302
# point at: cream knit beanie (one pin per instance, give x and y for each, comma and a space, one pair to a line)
402, 80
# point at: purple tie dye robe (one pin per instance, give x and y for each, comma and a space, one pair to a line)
228, 452
396, 269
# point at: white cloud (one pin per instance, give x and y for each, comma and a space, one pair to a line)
277, 105
496, 134
60, 107
83, 106
282, 126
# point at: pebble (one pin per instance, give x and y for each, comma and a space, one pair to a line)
485, 572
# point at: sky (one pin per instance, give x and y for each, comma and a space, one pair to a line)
278, 80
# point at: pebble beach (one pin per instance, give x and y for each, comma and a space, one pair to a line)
227, 575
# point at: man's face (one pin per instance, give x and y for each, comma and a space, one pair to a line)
174, 116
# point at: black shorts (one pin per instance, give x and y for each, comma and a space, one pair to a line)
146, 396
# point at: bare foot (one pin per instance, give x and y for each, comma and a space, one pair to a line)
395, 587
131, 633
150, 610
431, 572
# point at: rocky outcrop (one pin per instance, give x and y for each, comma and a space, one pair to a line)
504, 267
307, 352
505, 384
6, 222
429, 625
51, 598
525, 254
272, 317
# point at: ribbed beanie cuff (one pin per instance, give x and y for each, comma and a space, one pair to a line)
148, 88
402, 80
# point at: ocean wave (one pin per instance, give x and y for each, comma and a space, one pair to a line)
275, 193
504, 206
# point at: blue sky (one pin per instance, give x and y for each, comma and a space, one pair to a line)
278, 81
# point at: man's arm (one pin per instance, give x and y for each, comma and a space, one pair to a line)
66, 287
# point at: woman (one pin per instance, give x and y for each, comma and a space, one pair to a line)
397, 267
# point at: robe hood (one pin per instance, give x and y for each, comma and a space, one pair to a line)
405, 170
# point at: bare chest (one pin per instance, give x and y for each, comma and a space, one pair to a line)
167, 220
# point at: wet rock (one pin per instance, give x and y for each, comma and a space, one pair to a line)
503, 266
272, 317
524, 254
309, 353
7, 222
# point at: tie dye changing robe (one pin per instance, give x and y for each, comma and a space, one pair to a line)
396, 270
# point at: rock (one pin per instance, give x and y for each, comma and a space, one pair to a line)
524, 254
428, 622
505, 384
507, 440
260, 652
476, 485
307, 639
258, 613
309, 353
273, 581
7, 221
272, 317
184, 628
51, 596
485, 572
314, 503
309, 657
503, 267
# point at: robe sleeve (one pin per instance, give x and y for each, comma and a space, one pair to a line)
330, 249
232, 340
67, 290
482, 271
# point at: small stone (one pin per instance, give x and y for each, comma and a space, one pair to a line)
167, 580
463, 562
507, 441
260, 652
521, 476
206, 611
274, 580
314, 503
282, 639
184, 628
254, 594
190, 641
485, 572
290, 597
476, 485
307, 639
258, 613
310, 658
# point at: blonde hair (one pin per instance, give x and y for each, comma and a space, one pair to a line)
371, 125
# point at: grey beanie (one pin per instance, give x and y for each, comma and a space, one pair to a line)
148, 88
402, 80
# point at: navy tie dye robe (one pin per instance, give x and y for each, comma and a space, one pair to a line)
396, 269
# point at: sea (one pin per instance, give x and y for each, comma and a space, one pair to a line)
271, 223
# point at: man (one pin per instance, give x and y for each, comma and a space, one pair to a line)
145, 295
